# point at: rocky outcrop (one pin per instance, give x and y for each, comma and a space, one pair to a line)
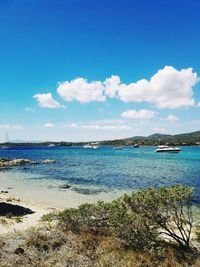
47, 161
19, 162
7, 162
2, 160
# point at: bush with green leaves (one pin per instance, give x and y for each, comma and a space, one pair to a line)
140, 220
88, 218
166, 209
133, 229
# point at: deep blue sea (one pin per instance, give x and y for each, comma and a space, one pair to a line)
90, 171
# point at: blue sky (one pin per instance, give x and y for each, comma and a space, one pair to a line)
84, 70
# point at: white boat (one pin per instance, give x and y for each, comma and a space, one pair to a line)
165, 148
136, 145
51, 145
95, 145
92, 146
87, 146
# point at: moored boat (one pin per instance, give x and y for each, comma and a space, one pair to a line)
118, 148
51, 145
92, 145
170, 149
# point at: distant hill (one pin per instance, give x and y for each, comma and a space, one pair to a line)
188, 139
158, 138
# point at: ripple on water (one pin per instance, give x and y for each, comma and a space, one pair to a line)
108, 169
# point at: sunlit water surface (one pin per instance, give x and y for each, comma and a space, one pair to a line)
104, 170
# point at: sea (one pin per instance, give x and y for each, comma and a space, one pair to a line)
102, 171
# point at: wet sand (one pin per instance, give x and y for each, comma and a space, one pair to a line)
41, 197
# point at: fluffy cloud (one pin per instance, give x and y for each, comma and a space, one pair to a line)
168, 88
47, 101
49, 125
111, 86
172, 118
143, 114
9, 126
198, 105
81, 90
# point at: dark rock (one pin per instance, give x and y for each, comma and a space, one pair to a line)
4, 192
19, 250
87, 191
64, 186
13, 210
4, 159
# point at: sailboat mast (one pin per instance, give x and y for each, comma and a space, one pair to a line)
7, 139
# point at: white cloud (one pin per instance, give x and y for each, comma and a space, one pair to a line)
29, 109
47, 101
143, 114
111, 86
49, 125
9, 126
106, 127
72, 125
168, 88
172, 118
198, 105
159, 130
92, 126
108, 122
81, 90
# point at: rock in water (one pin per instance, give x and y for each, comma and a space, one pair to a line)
2, 160
18, 162
47, 161
64, 186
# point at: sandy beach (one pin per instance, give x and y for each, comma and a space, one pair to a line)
26, 221
40, 197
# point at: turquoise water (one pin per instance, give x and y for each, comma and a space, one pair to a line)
90, 171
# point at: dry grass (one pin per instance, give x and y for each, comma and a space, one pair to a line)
46, 247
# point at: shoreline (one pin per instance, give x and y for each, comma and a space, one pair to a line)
40, 197
47, 192
21, 223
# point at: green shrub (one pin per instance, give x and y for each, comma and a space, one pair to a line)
49, 217
88, 218
133, 229
139, 221
167, 209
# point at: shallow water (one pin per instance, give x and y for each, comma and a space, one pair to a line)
104, 170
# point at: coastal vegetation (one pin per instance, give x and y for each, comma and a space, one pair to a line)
153, 227
186, 139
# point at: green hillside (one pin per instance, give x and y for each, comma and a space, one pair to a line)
187, 139
158, 139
